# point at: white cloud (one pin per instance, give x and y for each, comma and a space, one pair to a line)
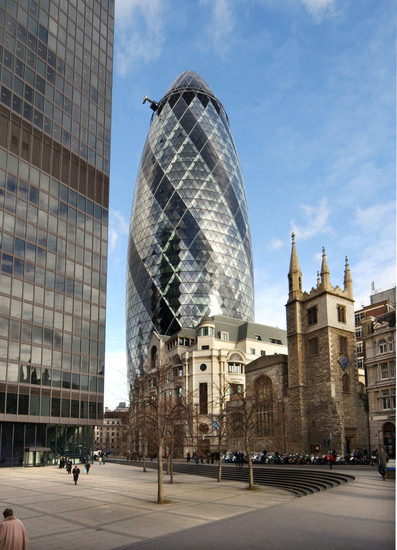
315, 221
376, 217
116, 386
270, 298
275, 244
221, 24
139, 33
318, 8
118, 228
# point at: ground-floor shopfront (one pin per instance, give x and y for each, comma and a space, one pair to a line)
33, 444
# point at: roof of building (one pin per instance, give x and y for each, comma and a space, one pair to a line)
239, 330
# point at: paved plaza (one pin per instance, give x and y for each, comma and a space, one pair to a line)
114, 508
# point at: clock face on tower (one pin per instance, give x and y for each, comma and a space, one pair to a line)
344, 362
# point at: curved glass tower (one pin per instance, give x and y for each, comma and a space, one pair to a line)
189, 252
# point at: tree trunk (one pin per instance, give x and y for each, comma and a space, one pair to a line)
144, 460
219, 478
250, 465
171, 470
160, 489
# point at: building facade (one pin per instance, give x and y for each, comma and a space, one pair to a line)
202, 368
112, 436
381, 301
326, 405
190, 252
55, 117
379, 338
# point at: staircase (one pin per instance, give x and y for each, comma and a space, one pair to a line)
300, 482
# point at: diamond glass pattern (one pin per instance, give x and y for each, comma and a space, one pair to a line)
190, 251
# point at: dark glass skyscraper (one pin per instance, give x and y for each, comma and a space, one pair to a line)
55, 113
190, 252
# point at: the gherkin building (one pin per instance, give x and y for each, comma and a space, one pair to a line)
189, 251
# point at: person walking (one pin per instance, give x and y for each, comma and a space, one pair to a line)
76, 473
13, 535
87, 467
382, 459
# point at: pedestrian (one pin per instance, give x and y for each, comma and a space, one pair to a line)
69, 466
87, 467
382, 459
100, 461
13, 535
76, 473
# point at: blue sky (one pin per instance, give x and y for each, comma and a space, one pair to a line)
309, 88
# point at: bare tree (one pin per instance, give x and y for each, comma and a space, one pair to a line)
219, 421
243, 423
161, 412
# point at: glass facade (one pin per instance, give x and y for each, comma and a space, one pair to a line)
55, 116
190, 252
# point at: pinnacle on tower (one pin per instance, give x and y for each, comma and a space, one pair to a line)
348, 281
294, 274
325, 281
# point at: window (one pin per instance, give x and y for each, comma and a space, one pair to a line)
387, 370
359, 332
263, 352
235, 368
275, 341
263, 388
207, 331
154, 357
203, 398
312, 316
390, 344
388, 399
360, 347
225, 336
313, 346
205, 347
252, 351
345, 383
341, 313
360, 363
203, 367
235, 390
358, 317
258, 337
179, 392
382, 346
342, 345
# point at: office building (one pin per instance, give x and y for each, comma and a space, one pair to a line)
55, 114
190, 252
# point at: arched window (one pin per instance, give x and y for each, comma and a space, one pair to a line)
153, 357
263, 388
346, 383
382, 346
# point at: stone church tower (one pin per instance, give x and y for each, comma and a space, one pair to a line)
325, 400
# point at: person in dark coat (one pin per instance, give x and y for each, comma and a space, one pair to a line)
76, 473
382, 459
87, 467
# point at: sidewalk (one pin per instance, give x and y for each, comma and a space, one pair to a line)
114, 506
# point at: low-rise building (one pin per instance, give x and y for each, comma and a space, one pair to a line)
203, 367
112, 436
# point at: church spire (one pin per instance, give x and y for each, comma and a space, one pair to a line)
348, 281
295, 274
325, 281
